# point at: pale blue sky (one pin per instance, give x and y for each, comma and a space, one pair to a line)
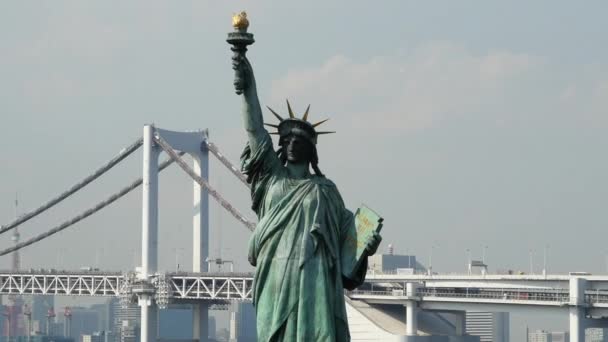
464, 123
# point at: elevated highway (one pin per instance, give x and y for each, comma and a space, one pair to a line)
550, 290
583, 298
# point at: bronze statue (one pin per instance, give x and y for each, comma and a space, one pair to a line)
299, 247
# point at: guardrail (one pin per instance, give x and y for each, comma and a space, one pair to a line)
550, 295
520, 295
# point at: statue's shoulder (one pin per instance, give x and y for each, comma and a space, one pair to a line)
323, 181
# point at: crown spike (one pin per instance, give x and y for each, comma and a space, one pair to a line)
319, 133
289, 109
271, 125
318, 123
275, 114
305, 117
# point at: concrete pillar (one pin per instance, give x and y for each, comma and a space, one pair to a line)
500, 321
200, 239
577, 309
411, 319
411, 310
460, 320
200, 322
233, 328
149, 243
149, 221
200, 215
149, 318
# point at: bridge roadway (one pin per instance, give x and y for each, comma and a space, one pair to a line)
550, 290
583, 297
490, 292
176, 286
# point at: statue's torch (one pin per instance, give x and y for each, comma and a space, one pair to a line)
239, 39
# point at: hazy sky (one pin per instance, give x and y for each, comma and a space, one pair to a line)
465, 124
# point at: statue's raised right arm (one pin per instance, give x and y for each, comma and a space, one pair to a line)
252, 112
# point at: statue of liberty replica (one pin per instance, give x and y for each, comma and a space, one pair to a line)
302, 247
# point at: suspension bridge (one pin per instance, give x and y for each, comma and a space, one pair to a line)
584, 298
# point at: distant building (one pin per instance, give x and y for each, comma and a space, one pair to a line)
57, 329
120, 315
242, 322
560, 336
212, 328
393, 263
104, 315
2, 318
176, 323
85, 321
92, 338
44, 338
40, 307
539, 336
129, 332
596, 335
548, 336
489, 326
98, 336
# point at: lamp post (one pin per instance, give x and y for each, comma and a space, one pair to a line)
546, 247
177, 252
219, 262
531, 264
468, 256
430, 268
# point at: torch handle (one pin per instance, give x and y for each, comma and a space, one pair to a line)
240, 78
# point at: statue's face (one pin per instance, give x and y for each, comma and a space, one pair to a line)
298, 149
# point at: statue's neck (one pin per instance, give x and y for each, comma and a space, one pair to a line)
298, 170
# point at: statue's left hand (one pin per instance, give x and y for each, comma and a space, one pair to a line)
371, 246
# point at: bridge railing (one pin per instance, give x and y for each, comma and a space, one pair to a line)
524, 295
549, 295
596, 297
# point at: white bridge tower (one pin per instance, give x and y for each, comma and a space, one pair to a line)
194, 144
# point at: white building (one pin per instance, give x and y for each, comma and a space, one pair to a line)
548, 336
596, 335
93, 338
560, 336
129, 332
539, 336
242, 322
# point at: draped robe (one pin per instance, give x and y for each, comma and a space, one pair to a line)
299, 250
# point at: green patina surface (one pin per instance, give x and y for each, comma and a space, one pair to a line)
303, 245
302, 257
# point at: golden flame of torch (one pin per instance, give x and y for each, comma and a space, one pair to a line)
239, 21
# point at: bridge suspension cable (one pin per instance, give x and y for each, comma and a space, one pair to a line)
85, 213
74, 188
216, 152
175, 157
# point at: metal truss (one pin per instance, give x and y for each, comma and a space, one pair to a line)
221, 288
217, 287
61, 284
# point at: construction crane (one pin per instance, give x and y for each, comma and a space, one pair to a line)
27, 312
15, 305
50, 317
6, 313
67, 328
15, 257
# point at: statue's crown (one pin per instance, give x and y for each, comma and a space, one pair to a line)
297, 126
